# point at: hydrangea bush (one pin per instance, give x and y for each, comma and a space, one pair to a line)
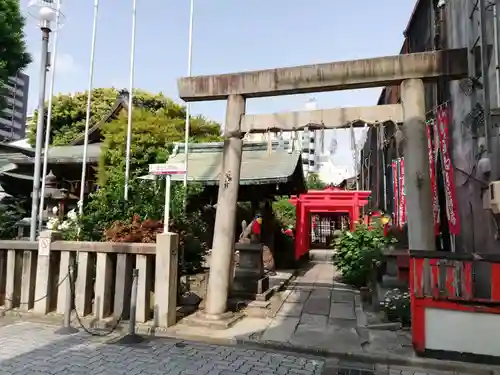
68, 226
396, 306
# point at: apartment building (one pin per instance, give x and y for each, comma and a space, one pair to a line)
13, 117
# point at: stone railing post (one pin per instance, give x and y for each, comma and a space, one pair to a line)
43, 294
167, 259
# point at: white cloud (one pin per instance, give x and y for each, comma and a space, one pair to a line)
66, 64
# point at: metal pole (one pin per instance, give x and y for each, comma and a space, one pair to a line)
39, 129
49, 116
89, 101
188, 105
130, 102
167, 204
133, 302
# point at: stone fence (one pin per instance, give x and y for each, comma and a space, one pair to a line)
34, 277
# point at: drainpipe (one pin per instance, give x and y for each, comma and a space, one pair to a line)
486, 79
497, 50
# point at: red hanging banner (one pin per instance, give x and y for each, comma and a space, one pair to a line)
448, 173
432, 172
402, 195
395, 190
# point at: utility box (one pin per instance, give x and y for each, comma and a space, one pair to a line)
491, 200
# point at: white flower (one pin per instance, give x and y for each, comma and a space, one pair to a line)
55, 210
79, 204
52, 224
64, 225
72, 215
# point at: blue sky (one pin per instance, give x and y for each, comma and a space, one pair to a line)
229, 36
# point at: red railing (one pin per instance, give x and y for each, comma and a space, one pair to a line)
450, 281
455, 277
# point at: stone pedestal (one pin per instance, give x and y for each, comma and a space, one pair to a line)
167, 259
42, 293
249, 279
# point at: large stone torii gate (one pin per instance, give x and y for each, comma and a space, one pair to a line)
410, 71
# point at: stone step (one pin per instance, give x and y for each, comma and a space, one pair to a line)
321, 255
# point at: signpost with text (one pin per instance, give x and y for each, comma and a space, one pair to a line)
167, 170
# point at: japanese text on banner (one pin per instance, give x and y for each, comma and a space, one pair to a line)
448, 172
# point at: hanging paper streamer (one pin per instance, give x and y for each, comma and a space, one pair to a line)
395, 191
448, 173
432, 171
402, 195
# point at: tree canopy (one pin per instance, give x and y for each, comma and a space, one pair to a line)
153, 133
13, 55
69, 112
313, 182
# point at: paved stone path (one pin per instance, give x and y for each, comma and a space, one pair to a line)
320, 312
31, 348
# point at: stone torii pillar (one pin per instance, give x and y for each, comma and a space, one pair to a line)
225, 218
417, 178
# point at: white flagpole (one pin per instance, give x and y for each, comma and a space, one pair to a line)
188, 105
130, 102
49, 115
89, 101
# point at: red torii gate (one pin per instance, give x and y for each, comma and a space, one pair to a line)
322, 201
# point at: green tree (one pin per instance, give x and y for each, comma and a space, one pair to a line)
12, 209
69, 112
284, 211
313, 182
153, 134
157, 123
13, 55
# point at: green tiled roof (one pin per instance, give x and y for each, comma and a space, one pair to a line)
258, 166
64, 154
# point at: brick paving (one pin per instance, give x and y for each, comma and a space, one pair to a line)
31, 348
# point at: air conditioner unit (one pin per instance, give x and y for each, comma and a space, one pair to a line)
492, 197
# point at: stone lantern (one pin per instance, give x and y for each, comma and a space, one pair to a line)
56, 200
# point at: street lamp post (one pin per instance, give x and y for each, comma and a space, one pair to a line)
46, 12
58, 24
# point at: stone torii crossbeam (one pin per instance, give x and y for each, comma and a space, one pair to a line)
410, 71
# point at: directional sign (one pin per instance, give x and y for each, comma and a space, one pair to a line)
167, 169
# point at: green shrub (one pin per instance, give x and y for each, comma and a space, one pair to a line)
12, 210
357, 252
107, 216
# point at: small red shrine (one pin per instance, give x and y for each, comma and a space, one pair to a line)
329, 200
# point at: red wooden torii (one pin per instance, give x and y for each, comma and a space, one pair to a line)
331, 199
